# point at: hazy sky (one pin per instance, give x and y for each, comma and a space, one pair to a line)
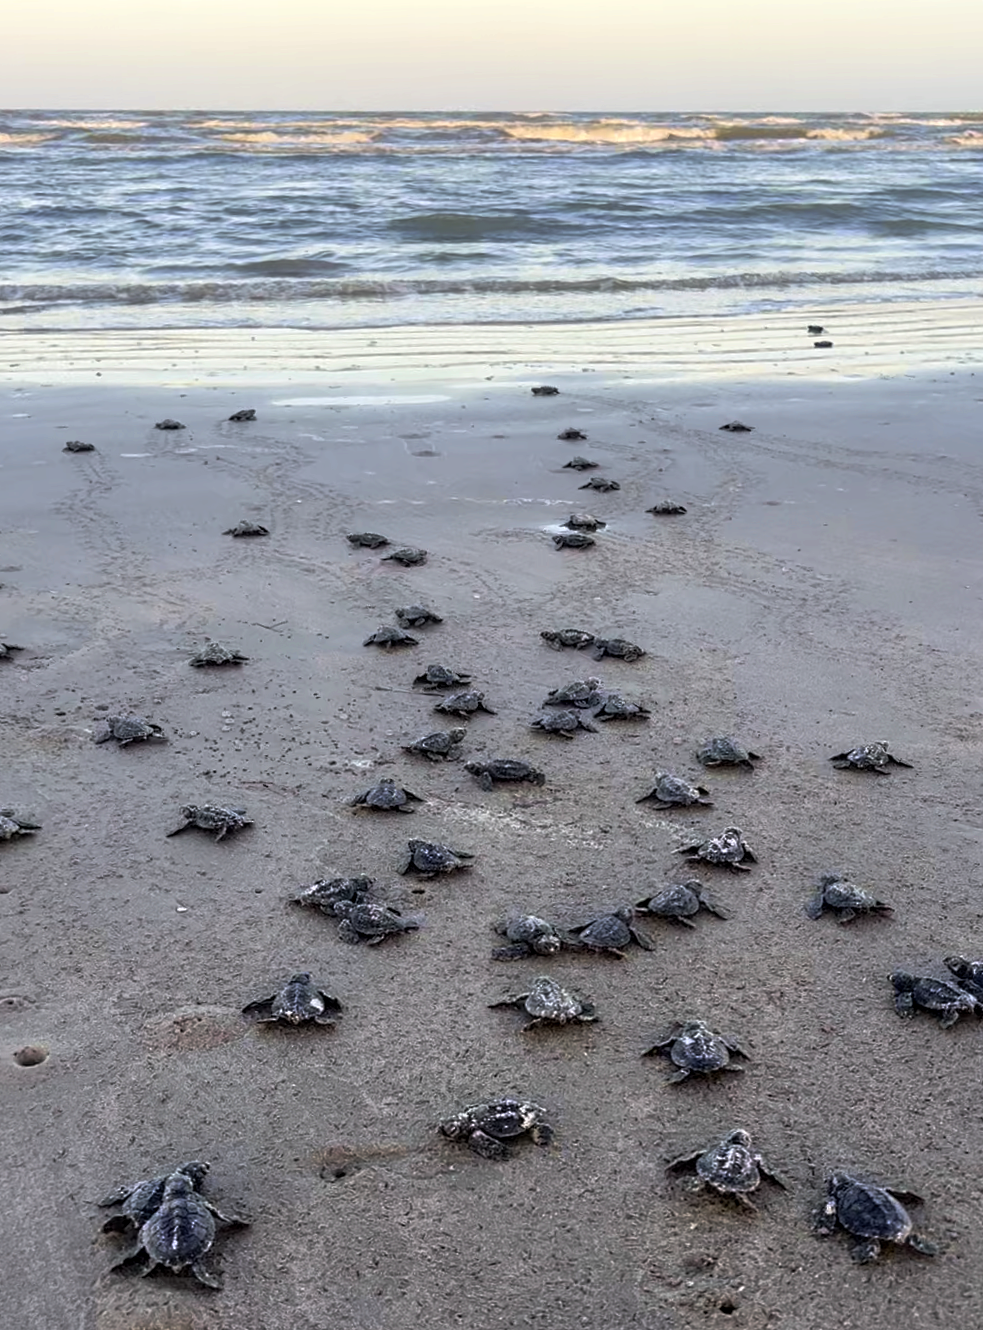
509, 55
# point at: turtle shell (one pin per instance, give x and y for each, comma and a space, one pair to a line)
868, 1211
182, 1230
730, 1166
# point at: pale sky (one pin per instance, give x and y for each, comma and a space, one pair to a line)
507, 55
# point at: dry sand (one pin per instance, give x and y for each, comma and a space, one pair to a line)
823, 589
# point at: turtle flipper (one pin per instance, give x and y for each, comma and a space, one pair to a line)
348, 934
816, 905
116, 1197
865, 1250
262, 1010
896, 762
542, 1134
486, 1146
844, 916
117, 1223
920, 1244
517, 951
204, 1276
643, 940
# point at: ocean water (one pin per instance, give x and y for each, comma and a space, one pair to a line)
187, 219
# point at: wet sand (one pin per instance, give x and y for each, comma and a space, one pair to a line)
823, 589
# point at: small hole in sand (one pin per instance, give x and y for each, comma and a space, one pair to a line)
728, 1306
31, 1056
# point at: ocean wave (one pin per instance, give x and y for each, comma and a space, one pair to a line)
23, 140
271, 140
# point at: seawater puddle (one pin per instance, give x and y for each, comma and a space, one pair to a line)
389, 399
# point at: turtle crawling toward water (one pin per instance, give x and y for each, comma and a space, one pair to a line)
580, 464
485, 1127
6, 648
728, 850
296, 1003
139, 1200
210, 817
549, 1003
168, 423
77, 446
408, 555
387, 797
584, 522
938, 995
671, 791
388, 637
724, 751
868, 757
246, 529
611, 933
464, 704
545, 390
436, 746
844, 899
872, 1215
526, 935
618, 647
127, 730
575, 638
362, 922
504, 768
436, 677
216, 654
580, 693
601, 484
573, 540
737, 427
571, 435
615, 707
367, 540
325, 893
666, 509
416, 616
247, 413
695, 1048
681, 901
428, 858
732, 1167
565, 723
969, 974
13, 823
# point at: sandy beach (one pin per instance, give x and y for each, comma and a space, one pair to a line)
823, 589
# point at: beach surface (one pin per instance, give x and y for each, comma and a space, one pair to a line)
823, 589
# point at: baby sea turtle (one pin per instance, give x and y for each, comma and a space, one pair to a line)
816, 329
728, 850
666, 509
844, 899
939, 995
615, 707
368, 540
6, 648
567, 637
14, 824
407, 556
127, 730
77, 446
464, 704
247, 413
325, 893
140, 1200
168, 423
868, 757
571, 435
573, 540
549, 1003
504, 768
822, 346
387, 797
579, 693
210, 817
484, 1127
731, 1168
601, 484
435, 677
545, 390
618, 647
438, 745
180, 1232
724, 751
246, 529
527, 935
694, 1047
871, 1214
681, 901
671, 791
584, 522
611, 933
565, 723
216, 654
969, 974
362, 922
580, 464
737, 427
387, 637
428, 858
296, 1003
416, 616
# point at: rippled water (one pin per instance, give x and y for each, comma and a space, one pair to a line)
182, 219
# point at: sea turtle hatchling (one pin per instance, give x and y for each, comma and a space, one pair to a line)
526, 935
544, 390
728, 850
504, 768
407, 555
13, 823
844, 899
428, 858
387, 797
368, 540
388, 637
969, 974
78, 446
168, 423
695, 1048
872, 1215
246, 529
868, 757
565, 723
180, 1232
126, 730
580, 464
436, 677
578, 693
601, 484
615, 707
247, 413
325, 893
363, 922
575, 638
671, 791
416, 616
217, 654
584, 522
618, 647
666, 509
485, 1127
610, 933
736, 427
139, 1200
571, 435
938, 995
731, 1167
724, 751
464, 704
573, 540
296, 1003
6, 648
436, 746
549, 1003
681, 901
210, 817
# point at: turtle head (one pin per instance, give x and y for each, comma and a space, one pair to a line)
959, 965
302, 978
837, 1182
342, 909
475, 768
457, 735
196, 1170
178, 1184
738, 1137
903, 982
456, 1127
190, 811
625, 913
